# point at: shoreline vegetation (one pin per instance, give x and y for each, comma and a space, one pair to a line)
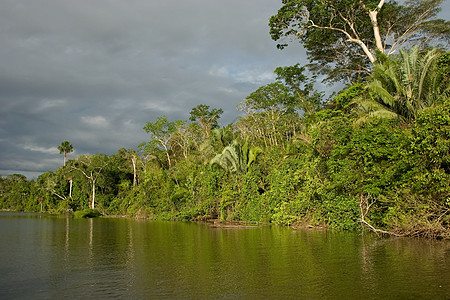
374, 156
318, 168
388, 177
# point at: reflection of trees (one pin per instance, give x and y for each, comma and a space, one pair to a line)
403, 268
152, 259
67, 239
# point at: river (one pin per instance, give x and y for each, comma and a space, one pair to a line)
55, 257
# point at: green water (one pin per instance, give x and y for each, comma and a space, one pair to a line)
48, 257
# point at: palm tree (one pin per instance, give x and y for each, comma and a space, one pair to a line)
236, 157
65, 148
401, 86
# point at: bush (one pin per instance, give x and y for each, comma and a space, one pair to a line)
87, 213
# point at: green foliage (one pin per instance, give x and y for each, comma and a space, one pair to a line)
271, 115
87, 213
340, 212
65, 148
403, 85
343, 100
286, 214
206, 118
250, 199
237, 157
273, 96
308, 99
160, 132
427, 159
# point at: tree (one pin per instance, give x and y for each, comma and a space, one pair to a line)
91, 166
223, 137
237, 157
15, 192
65, 148
265, 109
49, 183
185, 138
308, 99
342, 37
161, 132
132, 157
402, 85
206, 118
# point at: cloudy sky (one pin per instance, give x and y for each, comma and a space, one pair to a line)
93, 72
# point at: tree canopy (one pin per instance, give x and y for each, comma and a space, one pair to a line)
161, 132
342, 37
207, 118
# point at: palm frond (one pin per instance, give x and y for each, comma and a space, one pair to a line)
403, 85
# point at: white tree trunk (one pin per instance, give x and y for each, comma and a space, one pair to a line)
133, 160
376, 30
364, 48
168, 156
93, 194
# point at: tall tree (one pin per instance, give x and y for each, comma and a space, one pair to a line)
308, 98
91, 166
65, 148
265, 109
185, 138
161, 132
132, 158
342, 37
207, 118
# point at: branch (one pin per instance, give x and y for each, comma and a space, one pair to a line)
75, 168
387, 34
396, 44
330, 28
56, 194
350, 39
364, 207
352, 27
438, 219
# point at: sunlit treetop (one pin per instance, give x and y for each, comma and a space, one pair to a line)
342, 37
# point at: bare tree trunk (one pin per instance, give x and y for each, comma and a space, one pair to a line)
70, 187
376, 30
93, 194
168, 158
167, 152
133, 160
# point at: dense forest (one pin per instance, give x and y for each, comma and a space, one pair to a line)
375, 155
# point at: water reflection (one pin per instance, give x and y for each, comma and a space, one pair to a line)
49, 257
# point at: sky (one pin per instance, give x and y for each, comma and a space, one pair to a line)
93, 72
